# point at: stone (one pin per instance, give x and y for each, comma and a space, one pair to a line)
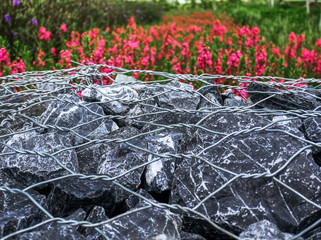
120, 162
232, 100
312, 131
159, 174
68, 195
229, 102
54, 230
315, 234
151, 223
115, 100
113, 159
96, 215
278, 99
89, 156
176, 95
191, 236
132, 201
17, 211
4, 137
265, 230
212, 92
246, 201
30, 168
54, 88
69, 112
209, 101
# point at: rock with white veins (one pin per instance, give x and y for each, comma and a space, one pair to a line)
70, 113
265, 230
312, 131
124, 161
149, 223
115, 100
37, 165
247, 200
54, 230
159, 174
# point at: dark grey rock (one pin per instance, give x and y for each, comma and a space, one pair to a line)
132, 201
4, 137
159, 174
312, 131
312, 127
229, 102
265, 230
114, 158
17, 211
232, 100
115, 100
89, 156
86, 120
191, 236
315, 234
246, 201
278, 99
29, 168
96, 215
56, 230
212, 93
177, 95
150, 223
121, 160
71, 194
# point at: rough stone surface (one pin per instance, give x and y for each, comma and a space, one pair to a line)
315, 234
234, 207
119, 162
57, 231
212, 93
30, 168
159, 174
150, 223
64, 113
131, 144
68, 196
115, 100
265, 230
18, 212
283, 101
96, 215
312, 130
89, 156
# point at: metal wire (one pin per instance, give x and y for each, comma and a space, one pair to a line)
29, 86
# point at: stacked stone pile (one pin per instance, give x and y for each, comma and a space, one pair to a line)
159, 161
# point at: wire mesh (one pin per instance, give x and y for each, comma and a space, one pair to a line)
29, 87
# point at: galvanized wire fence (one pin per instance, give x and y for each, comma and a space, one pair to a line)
36, 89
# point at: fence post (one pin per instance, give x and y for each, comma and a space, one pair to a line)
307, 3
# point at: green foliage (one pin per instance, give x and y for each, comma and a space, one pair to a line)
278, 22
80, 15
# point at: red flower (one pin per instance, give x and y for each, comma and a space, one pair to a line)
292, 37
63, 27
43, 34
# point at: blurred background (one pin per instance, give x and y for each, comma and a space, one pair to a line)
37, 34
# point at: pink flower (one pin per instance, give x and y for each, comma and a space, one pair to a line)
276, 51
43, 34
292, 37
53, 51
63, 27
318, 43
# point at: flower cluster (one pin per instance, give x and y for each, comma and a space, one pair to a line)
194, 44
